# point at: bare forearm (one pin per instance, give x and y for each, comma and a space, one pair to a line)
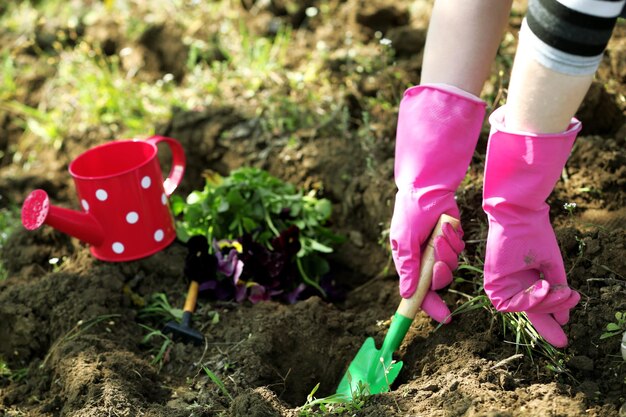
463, 38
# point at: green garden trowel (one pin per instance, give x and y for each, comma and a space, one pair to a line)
374, 368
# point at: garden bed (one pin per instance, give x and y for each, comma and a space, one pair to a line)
277, 86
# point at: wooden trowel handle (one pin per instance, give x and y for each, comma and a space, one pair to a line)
192, 297
409, 306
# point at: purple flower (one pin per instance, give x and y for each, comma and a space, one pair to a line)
228, 262
260, 293
293, 296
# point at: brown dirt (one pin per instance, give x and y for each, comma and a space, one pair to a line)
269, 355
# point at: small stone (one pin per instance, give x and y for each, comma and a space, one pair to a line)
592, 247
583, 363
356, 238
407, 40
507, 382
431, 388
589, 388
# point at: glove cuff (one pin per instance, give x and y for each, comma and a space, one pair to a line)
522, 168
438, 127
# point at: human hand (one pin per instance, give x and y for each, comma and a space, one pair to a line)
411, 227
524, 270
438, 127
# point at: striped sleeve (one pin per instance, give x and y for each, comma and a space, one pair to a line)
576, 27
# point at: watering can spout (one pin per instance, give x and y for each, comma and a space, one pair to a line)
37, 211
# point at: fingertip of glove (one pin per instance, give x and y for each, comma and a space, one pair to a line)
436, 308
548, 327
558, 340
442, 276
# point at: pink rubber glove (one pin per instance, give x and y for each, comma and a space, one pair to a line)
438, 127
523, 266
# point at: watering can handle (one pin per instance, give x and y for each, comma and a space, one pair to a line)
409, 306
178, 162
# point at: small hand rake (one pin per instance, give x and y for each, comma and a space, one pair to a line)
374, 367
183, 331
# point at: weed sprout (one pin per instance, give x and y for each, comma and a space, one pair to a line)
570, 207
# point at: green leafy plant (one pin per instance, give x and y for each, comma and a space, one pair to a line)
160, 350
8, 86
255, 59
217, 381
527, 338
79, 329
335, 404
5, 371
158, 307
89, 89
250, 200
570, 208
617, 327
9, 219
14, 375
276, 224
516, 327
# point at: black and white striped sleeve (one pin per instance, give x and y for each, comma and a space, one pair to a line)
570, 36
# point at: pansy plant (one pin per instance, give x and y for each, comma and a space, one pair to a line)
268, 239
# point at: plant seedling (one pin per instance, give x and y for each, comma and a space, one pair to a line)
161, 353
337, 403
617, 327
217, 381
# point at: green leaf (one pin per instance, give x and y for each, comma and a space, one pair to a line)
249, 224
41, 130
235, 199
194, 197
313, 391
317, 246
217, 381
223, 207
324, 208
612, 327
177, 204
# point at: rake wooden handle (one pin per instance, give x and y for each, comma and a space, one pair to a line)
192, 297
410, 306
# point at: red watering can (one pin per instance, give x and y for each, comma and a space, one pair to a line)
120, 186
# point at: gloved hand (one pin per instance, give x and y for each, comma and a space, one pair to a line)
438, 127
524, 269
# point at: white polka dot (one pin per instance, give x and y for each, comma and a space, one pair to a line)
145, 182
132, 217
118, 247
158, 235
163, 199
85, 204
101, 194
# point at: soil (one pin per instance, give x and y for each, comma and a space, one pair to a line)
72, 328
